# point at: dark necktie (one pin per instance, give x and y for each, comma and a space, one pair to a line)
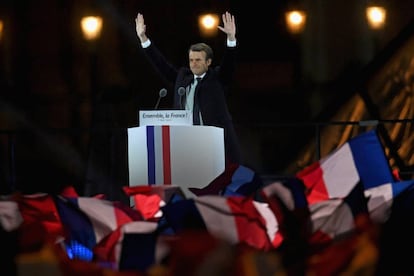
196, 107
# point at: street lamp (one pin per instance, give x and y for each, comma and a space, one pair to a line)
91, 27
376, 16
295, 20
208, 23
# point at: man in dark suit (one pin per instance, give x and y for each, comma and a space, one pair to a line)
205, 86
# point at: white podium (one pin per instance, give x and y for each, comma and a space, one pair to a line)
181, 155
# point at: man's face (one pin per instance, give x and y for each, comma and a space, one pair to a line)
198, 62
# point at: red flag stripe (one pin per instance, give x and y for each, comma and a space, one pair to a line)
166, 154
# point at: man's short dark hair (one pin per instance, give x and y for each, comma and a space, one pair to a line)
202, 47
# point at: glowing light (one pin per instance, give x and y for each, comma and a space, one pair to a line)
91, 27
295, 20
208, 24
376, 16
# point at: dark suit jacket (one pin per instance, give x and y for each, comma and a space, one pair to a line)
210, 92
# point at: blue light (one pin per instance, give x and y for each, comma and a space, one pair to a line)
76, 250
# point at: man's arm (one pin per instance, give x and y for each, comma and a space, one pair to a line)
141, 29
166, 70
229, 28
228, 62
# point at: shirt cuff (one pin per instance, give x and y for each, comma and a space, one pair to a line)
231, 43
146, 44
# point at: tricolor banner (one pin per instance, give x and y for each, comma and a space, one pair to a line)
186, 156
158, 155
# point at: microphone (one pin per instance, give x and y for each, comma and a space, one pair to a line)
181, 92
162, 94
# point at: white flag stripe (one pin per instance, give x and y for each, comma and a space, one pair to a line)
218, 217
10, 216
339, 172
102, 215
380, 200
332, 217
158, 155
271, 222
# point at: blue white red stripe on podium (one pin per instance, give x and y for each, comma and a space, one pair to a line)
159, 155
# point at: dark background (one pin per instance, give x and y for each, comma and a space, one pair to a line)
66, 103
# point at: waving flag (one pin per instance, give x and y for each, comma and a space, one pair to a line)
362, 159
89, 220
10, 216
382, 197
238, 220
316, 224
334, 218
41, 220
148, 200
287, 200
236, 180
244, 182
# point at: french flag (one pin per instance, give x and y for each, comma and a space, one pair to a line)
41, 221
236, 180
89, 220
334, 218
159, 157
10, 216
382, 197
237, 220
148, 200
361, 159
287, 200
